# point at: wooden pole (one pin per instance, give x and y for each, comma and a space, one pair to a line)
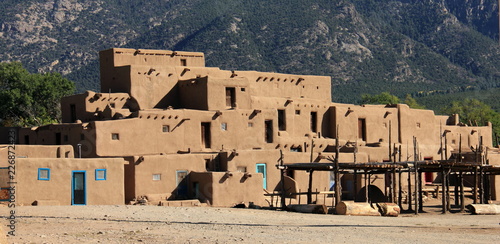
309, 189
448, 201
481, 185
338, 194
456, 193
462, 197
355, 184
283, 172
366, 186
417, 181
443, 190
475, 185
400, 184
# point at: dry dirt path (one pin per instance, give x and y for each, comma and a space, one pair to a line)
153, 224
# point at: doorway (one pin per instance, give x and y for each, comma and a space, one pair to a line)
78, 188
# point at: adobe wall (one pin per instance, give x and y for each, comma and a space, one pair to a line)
166, 166
90, 106
377, 120
266, 84
118, 57
58, 187
36, 151
223, 189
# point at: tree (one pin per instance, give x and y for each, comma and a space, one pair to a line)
412, 103
30, 99
382, 98
473, 111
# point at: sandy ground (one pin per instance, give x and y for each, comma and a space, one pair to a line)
154, 224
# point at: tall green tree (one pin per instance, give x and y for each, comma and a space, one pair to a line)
30, 99
412, 102
382, 98
473, 111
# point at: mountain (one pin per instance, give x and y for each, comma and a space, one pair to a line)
422, 47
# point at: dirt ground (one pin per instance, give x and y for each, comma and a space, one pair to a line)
154, 224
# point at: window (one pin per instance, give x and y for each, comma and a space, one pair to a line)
166, 128
297, 112
100, 174
261, 168
43, 174
362, 129
223, 126
156, 176
27, 139
241, 169
296, 149
183, 62
230, 97
281, 120
269, 131
314, 121
250, 124
115, 136
72, 109
58, 139
205, 134
243, 89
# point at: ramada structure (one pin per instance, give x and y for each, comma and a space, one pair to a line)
165, 129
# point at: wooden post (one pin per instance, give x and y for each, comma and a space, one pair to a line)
366, 186
456, 193
355, 184
481, 185
309, 189
283, 172
400, 184
448, 199
443, 190
475, 185
338, 194
417, 180
420, 193
462, 197
409, 197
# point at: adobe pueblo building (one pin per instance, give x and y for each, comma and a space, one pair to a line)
166, 128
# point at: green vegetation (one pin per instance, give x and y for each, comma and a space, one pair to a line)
30, 99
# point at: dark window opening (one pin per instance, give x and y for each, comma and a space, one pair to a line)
26, 139
314, 121
183, 62
281, 120
269, 131
230, 97
58, 138
205, 134
362, 129
296, 149
72, 109
115, 136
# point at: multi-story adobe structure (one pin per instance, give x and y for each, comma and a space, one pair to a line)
165, 127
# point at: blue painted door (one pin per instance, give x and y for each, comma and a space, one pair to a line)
261, 168
78, 188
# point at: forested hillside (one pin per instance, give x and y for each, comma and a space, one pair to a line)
421, 47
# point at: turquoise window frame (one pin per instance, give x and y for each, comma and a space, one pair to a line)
264, 174
97, 174
40, 176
